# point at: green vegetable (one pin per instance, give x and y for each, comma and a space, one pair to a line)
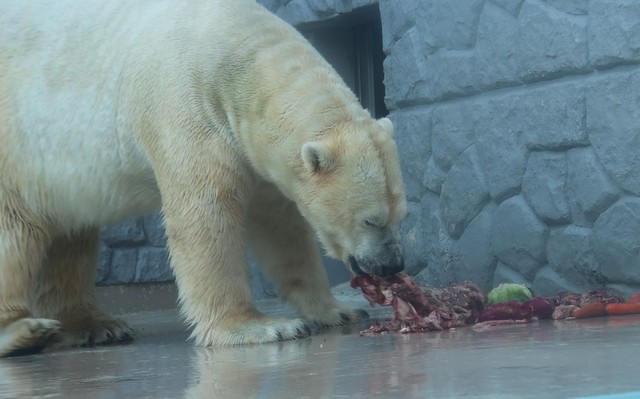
509, 292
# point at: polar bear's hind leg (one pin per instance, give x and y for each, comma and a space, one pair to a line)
65, 292
28, 335
22, 246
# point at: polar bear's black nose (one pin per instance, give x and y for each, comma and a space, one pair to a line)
383, 266
388, 271
393, 267
355, 268
392, 261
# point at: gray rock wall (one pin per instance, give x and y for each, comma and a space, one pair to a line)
134, 252
518, 126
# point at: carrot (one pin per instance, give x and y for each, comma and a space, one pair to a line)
623, 308
634, 298
592, 309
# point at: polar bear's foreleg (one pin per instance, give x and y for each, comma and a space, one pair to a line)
286, 249
22, 244
64, 291
204, 206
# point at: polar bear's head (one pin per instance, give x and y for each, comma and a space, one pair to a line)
353, 195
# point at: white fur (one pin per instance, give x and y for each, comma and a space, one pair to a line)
201, 107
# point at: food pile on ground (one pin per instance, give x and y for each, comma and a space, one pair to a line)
418, 309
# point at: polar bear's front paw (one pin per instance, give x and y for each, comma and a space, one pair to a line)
98, 329
29, 335
252, 331
340, 316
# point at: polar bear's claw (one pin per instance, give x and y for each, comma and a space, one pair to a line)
100, 331
28, 336
362, 315
341, 316
281, 329
306, 332
255, 331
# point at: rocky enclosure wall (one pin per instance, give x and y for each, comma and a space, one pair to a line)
518, 126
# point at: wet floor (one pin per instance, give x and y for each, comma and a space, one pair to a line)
564, 359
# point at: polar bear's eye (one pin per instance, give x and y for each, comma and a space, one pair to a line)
372, 223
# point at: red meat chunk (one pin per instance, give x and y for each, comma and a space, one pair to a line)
420, 309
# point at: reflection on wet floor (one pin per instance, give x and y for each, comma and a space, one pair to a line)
548, 359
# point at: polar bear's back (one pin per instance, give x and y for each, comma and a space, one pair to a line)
85, 87
68, 73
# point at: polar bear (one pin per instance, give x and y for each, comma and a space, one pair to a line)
217, 113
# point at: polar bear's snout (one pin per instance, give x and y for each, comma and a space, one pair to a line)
385, 264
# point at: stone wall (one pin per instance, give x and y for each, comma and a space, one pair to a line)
298, 12
518, 125
519, 128
134, 252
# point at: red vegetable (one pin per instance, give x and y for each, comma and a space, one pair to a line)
623, 308
541, 307
512, 310
592, 309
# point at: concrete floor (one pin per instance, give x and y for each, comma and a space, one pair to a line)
567, 359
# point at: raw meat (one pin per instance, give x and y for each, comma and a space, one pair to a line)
420, 309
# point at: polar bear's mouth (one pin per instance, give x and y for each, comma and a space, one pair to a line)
355, 268
383, 266
373, 267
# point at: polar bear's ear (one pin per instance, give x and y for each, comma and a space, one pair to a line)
387, 125
317, 157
